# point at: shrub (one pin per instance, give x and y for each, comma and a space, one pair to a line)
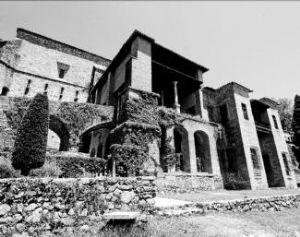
31, 140
129, 160
49, 169
6, 170
234, 181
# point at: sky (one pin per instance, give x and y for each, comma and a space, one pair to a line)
256, 44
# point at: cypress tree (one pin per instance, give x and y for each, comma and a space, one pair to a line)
31, 141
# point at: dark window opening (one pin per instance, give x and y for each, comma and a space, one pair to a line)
254, 158
275, 121
76, 96
27, 87
46, 89
286, 164
245, 112
61, 93
62, 73
4, 91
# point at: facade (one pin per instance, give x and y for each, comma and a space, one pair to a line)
34, 63
164, 116
229, 132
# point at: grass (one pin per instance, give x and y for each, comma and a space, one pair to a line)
283, 223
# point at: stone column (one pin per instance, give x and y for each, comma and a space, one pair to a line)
176, 104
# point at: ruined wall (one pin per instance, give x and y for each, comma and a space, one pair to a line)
37, 205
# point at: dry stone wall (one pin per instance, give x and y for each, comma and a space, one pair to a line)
187, 183
38, 205
276, 203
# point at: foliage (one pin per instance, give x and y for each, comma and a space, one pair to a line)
31, 140
49, 169
285, 110
78, 115
6, 170
76, 166
235, 181
142, 109
129, 159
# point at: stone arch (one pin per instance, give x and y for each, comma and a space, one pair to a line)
4, 91
60, 128
181, 145
202, 148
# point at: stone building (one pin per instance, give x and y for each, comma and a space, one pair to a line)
167, 123
221, 131
34, 63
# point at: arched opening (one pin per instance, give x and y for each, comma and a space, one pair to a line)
202, 148
60, 129
4, 91
181, 145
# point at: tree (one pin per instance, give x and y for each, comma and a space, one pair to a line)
31, 141
285, 110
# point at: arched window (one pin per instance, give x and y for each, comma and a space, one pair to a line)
4, 91
181, 144
202, 147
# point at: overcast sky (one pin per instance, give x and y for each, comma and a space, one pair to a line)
256, 44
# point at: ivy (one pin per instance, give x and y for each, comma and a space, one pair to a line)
129, 159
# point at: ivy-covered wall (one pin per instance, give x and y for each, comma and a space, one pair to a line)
135, 141
73, 117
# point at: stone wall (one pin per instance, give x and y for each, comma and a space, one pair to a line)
37, 205
276, 203
188, 183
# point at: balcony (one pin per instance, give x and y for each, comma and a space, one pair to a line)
262, 127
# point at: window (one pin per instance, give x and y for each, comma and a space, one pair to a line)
62, 69
286, 164
27, 87
254, 158
275, 121
62, 73
46, 89
61, 93
76, 96
245, 112
4, 91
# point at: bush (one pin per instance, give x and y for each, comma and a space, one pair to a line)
6, 170
234, 181
31, 140
49, 169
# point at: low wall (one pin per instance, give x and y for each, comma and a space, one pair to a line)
186, 183
45, 204
276, 203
